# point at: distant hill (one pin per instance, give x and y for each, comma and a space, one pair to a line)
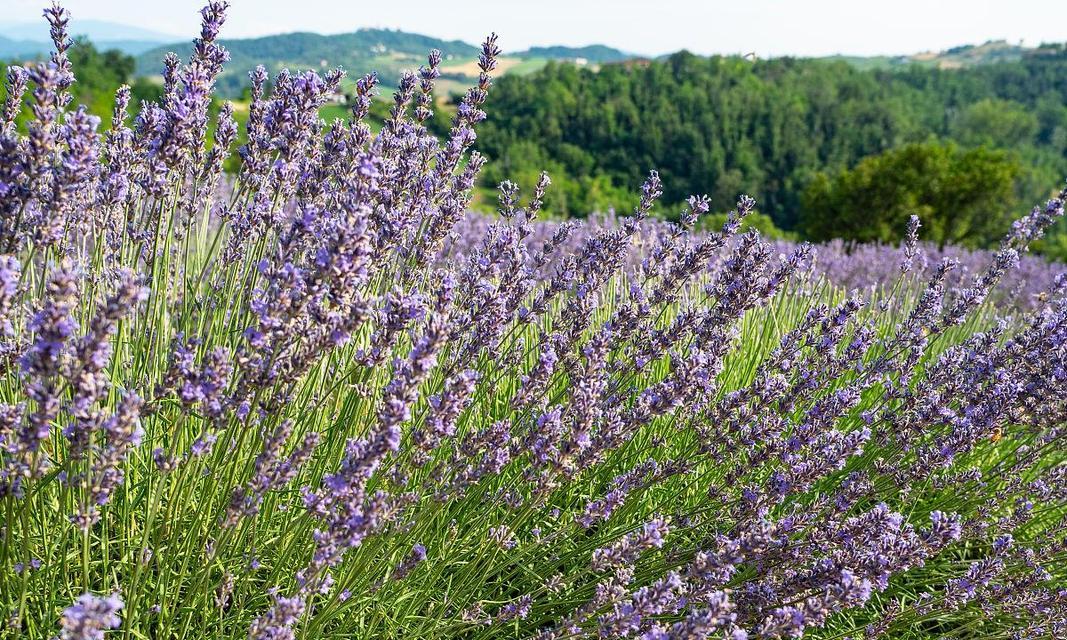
12, 49
383, 50
35, 49
594, 53
970, 55
95, 30
31, 39
390, 51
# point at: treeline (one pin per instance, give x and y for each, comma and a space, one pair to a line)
786, 131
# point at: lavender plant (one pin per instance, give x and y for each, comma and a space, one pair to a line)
306, 403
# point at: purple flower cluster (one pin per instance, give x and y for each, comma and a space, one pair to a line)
868, 268
90, 617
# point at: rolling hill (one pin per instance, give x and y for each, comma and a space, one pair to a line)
16, 49
594, 53
382, 50
965, 56
389, 51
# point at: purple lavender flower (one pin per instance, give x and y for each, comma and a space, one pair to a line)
628, 616
16, 87
445, 409
122, 433
517, 610
271, 471
90, 617
58, 19
92, 353
277, 623
910, 245
417, 555
630, 547
52, 326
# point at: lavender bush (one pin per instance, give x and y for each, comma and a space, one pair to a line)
869, 268
307, 404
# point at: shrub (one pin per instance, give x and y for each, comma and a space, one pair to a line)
303, 405
963, 195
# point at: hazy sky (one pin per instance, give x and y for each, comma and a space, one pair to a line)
766, 27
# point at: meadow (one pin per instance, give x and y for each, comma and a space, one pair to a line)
321, 398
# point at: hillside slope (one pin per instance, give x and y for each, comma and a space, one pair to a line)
961, 57
594, 53
382, 50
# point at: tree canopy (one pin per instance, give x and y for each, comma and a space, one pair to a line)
963, 196
783, 128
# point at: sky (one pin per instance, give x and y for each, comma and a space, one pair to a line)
651, 27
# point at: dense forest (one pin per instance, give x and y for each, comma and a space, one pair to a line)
778, 129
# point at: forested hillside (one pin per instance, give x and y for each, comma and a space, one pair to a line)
828, 148
727, 125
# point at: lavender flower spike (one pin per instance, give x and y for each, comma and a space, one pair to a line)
90, 617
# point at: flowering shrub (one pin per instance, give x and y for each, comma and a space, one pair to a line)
304, 405
867, 267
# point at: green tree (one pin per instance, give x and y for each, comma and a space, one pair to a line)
570, 196
727, 125
996, 123
963, 196
99, 74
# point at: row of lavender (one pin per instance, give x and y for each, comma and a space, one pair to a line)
324, 402
863, 267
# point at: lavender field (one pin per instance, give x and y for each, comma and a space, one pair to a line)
320, 398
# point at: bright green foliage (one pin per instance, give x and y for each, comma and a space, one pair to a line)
573, 194
729, 125
962, 196
996, 123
